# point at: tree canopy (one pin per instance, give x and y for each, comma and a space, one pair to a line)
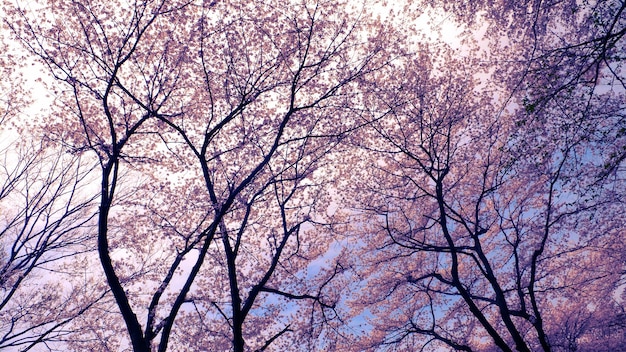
313, 175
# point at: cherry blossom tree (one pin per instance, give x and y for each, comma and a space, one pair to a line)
488, 221
209, 122
46, 218
465, 241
